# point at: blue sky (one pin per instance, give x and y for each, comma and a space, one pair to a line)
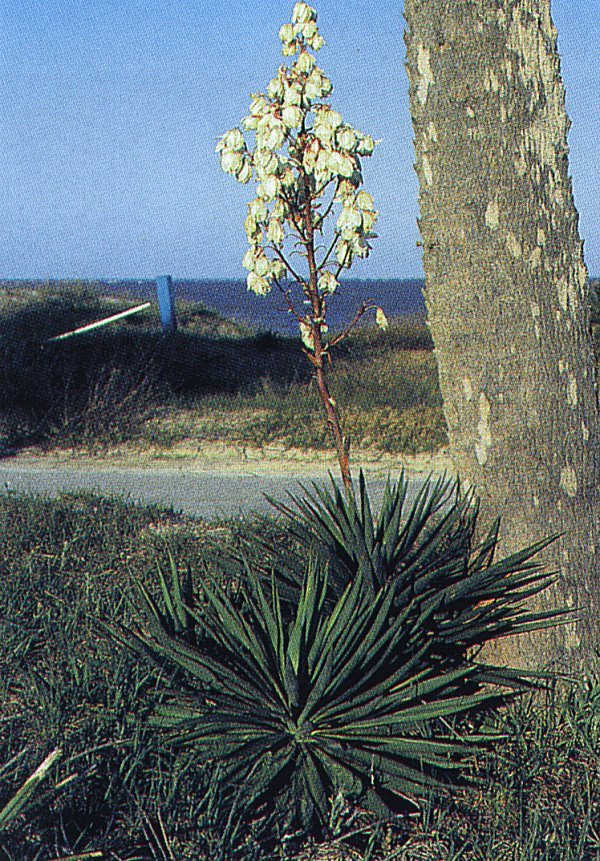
111, 110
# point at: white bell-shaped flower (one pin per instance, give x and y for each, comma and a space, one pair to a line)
257, 284
279, 209
308, 30
328, 283
253, 231
269, 188
257, 209
244, 175
343, 253
304, 64
232, 140
293, 95
311, 154
265, 162
292, 116
231, 161
287, 178
286, 34
248, 260
346, 139
276, 89
277, 269
345, 190
349, 221
275, 231
270, 133
341, 164
316, 42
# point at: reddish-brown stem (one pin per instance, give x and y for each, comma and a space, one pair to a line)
319, 350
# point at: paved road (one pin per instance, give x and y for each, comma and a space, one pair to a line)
200, 494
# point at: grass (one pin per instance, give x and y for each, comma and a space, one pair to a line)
63, 683
213, 381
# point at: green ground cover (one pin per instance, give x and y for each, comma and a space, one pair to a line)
114, 790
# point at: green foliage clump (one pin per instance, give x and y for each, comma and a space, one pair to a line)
351, 674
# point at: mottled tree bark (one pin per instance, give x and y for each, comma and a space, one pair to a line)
507, 289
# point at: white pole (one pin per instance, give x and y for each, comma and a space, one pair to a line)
99, 323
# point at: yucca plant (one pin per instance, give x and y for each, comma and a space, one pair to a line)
445, 578
331, 699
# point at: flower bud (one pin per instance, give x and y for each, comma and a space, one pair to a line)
366, 145
381, 319
303, 13
306, 335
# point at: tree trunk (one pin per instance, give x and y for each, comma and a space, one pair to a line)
507, 291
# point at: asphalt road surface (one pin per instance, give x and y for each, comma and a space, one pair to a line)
208, 495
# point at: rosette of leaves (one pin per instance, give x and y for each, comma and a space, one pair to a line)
328, 700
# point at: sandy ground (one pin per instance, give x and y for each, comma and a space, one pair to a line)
228, 459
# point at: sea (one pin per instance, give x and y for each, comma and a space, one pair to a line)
231, 299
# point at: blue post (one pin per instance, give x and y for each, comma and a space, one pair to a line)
166, 303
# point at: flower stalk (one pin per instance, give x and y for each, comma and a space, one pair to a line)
306, 162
